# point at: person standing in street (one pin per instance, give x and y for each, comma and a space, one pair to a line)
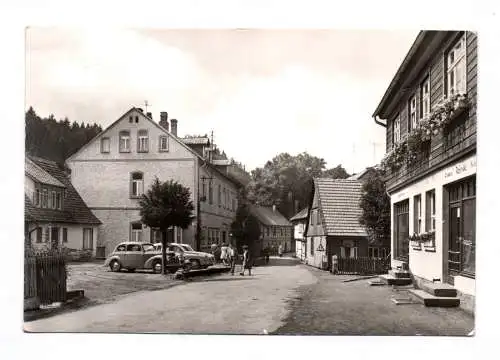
247, 261
223, 254
231, 254
280, 250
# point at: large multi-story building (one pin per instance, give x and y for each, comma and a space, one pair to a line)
429, 112
113, 170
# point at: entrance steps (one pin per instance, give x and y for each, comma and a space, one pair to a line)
396, 277
431, 300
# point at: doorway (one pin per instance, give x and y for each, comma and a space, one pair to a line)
462, 229
401, 231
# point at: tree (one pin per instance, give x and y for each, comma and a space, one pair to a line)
337, 172
376, 206
245, 228
166, 204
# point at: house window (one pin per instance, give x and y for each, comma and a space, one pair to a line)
204, 191
142, 141
88, 240
224, 198
267, 231
58, 201
456, 69
210, 193
39, 235
45, 198
430, 210
219, 196
136, 184
281, 231
136, 232
417, 214
354, 252
412, 107
65, 235
130, 119
36, 197
396, 131
105, 145
311, 251
425, 98
233, 204
318, 218
53, 200
274, 231
163, 143
155, 236
124, 145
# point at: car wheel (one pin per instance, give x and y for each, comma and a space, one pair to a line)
115, 266
157, 267
196, 264
131, 270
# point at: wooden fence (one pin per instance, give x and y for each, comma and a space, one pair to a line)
45, 277
362, 266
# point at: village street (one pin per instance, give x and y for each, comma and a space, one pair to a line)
284, 298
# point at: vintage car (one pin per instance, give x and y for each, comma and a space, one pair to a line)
197, 259
137, 255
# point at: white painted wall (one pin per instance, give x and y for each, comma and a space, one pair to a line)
29, 187
318, 257
429, 265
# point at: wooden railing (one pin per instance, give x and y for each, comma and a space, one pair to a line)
456, 141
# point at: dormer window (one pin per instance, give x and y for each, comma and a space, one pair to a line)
456, 68
105, 145
142, 141
124, 141
163, 143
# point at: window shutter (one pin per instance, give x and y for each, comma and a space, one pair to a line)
427, 212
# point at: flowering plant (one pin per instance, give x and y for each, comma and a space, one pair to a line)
423, 237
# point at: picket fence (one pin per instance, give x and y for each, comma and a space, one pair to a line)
362, 266
45, 277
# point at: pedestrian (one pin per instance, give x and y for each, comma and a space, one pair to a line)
223, 254
231, 254
280, 250
266, 254
247, 261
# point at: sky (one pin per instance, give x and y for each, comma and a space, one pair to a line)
261, 92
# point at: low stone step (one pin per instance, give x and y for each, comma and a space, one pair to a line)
439, 289
432, 300
400, 274
392, 280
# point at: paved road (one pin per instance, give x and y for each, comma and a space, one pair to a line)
222, 304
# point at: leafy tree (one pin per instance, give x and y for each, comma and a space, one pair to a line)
245, 228
376, 206
166, 204
337, 172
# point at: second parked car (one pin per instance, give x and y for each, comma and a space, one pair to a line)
197, 259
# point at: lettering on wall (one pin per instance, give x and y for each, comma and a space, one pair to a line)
460, 168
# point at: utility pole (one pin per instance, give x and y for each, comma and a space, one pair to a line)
146, 104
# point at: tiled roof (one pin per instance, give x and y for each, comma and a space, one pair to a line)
38, 174
268, 217
339, 200
302, 214
75, 210
196, 140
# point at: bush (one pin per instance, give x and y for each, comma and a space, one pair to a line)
77, 255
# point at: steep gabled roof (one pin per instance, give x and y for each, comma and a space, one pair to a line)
75, 210
36, 173
268, 217
301, 215
339, 199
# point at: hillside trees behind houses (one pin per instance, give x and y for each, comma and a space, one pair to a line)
56, 140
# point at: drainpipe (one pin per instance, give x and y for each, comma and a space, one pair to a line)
378, 122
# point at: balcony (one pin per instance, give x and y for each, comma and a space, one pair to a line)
455, 140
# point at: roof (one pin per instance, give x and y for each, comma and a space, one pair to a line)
339, 201
302, 214
201, 140
268, 217
360, 175
75, 210
38, 174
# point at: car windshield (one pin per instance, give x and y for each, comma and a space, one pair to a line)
148, 247
187, 247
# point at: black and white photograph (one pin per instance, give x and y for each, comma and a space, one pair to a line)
155, 174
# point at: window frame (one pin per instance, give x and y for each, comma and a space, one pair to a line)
160, 148
138, 231
417, 214
425, 98
39, 235
91, 238
396, 130
53, 196
311, 250
124, 135
430, 210
103, 140
412, 112
138, 182
142, 141
45, 199
459, 59
64, 235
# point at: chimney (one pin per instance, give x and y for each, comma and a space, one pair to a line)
164, 120
174, 126
149, 115
274, 208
